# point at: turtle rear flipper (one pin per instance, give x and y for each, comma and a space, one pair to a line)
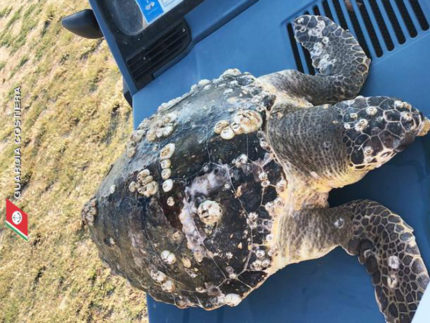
385, 244
343, 65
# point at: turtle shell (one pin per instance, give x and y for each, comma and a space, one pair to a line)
184, 214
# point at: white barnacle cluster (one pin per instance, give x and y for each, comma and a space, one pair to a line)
161, 126
325, 62
230, 72
393, 262
264, 179
232, 299
210, 212
240, 161
392, 281
244, 121
273, 206
223, 80
353, 115
167, 105
317, 30
170, 201
401, 104
219, 299
186, 262
406, 115
203, 83
158, 276
135, 138
166, 284
167, 185
299, 26
167, 151
261, 262
168, 257
220, 125
371, 110
251, 220
361, 124
317, 49
194, 237
339, 223
145, 184
89, 211
368, 151
130, 149
165, 154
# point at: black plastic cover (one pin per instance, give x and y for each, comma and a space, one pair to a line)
83, 23
135, 46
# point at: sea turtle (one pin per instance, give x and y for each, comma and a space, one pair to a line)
228, 184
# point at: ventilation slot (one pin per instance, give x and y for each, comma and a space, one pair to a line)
308, 59
419, 14
394, 22
147, 61
294, 48
327, 9
372, 34
358, 32
407, 18
382, 26
378, 25
340, 15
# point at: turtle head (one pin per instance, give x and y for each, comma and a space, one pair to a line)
406, 123
381, 129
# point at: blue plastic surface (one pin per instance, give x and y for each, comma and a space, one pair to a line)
334, 288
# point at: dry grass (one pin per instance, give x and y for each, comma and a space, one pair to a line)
75, 124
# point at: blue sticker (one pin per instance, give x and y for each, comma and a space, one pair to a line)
151, 9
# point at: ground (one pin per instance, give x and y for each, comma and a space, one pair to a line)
75, 124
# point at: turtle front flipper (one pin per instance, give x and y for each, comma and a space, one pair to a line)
385, 244
343, 65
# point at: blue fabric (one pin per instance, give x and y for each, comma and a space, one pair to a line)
334, 288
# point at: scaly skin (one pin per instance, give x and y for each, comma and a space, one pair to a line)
329, 146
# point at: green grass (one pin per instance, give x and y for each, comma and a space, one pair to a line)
5, 12
14, 18
75, 124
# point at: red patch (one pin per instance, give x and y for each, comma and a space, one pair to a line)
17, 219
